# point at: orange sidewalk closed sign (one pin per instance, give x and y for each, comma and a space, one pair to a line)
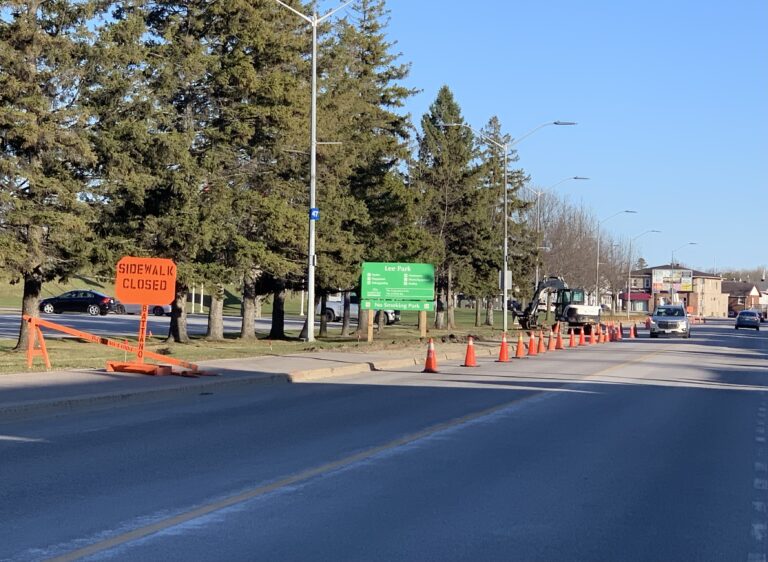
145, 280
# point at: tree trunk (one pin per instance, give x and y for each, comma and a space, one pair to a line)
178, 330
381, 320
323, 321
278, 312
33, 283
248, 325
362, 323
345, 315
489, 312
216, 314
258, 301
440, 310
478, 305
451, 312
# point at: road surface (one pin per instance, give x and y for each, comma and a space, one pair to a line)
643, 450
128, 324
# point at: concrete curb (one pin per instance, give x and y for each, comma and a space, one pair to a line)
72, 403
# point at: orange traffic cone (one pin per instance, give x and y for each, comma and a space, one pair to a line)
532, 344
504, 349
582, 339
572, 338
559, 343
520, 352
620, 333
551, 344
469, 359
592, 336
542, 345
632, 332
431, 365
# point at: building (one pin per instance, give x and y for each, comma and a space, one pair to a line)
700, 292
742, 295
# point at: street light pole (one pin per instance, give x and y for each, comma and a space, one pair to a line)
597, 265
629, 270
505, 258
314, 21
538, 216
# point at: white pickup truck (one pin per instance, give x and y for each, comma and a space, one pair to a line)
334, 309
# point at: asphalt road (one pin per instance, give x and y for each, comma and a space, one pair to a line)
644, 450
128, 324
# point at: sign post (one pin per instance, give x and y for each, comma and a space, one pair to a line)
144, 281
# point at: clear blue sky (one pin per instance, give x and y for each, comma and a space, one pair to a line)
671, 98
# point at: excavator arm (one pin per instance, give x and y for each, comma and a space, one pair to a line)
529, 317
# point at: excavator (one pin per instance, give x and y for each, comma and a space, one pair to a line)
570, 306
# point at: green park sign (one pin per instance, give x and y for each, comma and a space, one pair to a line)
398, 282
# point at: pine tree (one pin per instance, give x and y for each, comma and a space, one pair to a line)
45, 154
376, 132
448, 179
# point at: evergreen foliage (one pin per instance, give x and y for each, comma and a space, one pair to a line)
46, 225
180, 129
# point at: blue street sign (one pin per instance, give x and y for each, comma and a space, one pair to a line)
314, 214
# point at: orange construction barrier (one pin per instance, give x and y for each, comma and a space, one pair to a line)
36, 336
504, 349
542, 345
431, 365
469, 359
520, 351
532, 344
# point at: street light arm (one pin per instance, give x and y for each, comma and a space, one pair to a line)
329, 14
314, 20
483, 136
617, 214
676, 249
298, 13
529, 133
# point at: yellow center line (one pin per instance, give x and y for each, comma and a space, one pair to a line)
207, 509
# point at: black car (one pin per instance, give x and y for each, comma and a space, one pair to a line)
92, 302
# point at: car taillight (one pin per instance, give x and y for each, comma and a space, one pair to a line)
105, 300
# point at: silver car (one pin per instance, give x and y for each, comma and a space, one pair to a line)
155, 309
670, 320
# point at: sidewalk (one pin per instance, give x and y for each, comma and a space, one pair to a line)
50, 392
